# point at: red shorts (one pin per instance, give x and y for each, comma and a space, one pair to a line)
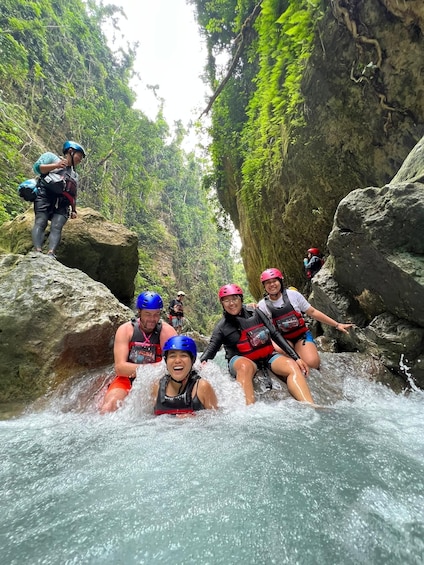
121, 382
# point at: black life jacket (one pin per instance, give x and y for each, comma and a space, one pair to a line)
183, 403
176, 309
255, 340
286, 319
144, 349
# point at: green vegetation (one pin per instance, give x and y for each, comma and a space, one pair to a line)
60, 80
260, 111
261, 104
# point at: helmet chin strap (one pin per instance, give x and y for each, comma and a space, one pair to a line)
183, 382
72, 159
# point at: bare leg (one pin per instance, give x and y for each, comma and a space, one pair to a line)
113, 400
308, 352
245, 371
296, 382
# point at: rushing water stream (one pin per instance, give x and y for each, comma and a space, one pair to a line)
274, 483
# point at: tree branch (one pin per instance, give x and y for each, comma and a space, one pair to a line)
241, 40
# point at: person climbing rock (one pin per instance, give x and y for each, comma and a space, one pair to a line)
312, 262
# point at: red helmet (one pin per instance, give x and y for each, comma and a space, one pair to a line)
228, 290
313, 251
271, 274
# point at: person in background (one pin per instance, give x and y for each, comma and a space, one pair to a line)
176, 312
182, 391
137, 343
57, 194
246, 335
312, 262
285, 308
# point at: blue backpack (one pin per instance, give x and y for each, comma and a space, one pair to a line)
28, 190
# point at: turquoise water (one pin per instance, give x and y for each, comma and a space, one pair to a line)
277, 482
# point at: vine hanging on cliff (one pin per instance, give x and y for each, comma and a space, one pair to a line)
342, 12
241, 40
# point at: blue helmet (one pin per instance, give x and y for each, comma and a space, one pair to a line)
73, 145
180, 343
149, 300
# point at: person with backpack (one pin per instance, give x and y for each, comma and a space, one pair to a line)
56, 195
285, 308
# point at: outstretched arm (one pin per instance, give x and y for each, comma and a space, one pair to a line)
321, 317
214, 345
206, 395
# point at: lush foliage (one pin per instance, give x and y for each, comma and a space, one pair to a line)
257, 115
261, 104
60, 80
285, 33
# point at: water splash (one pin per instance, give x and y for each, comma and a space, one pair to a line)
276, 482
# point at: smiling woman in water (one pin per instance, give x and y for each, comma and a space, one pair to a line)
182, 391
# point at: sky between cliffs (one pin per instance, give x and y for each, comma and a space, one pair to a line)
170, 54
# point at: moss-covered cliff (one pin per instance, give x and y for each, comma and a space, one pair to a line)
325, 97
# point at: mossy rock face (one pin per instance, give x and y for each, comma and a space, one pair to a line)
106, 252
362, 112
15, 236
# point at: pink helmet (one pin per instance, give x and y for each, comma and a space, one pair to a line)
228, 290
313, 251
271, 274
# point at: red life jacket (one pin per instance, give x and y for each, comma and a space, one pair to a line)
286, 319
255, 340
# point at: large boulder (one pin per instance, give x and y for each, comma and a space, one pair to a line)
378, 247
375, 274
54, 322
105, 251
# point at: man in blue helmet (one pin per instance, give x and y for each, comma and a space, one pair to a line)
182, 391
57, 194
137, 343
